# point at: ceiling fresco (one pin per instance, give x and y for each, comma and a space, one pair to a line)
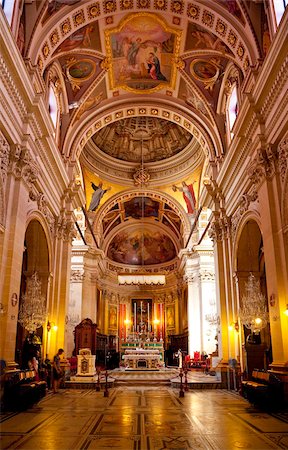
141, 246
142, 49
139, 209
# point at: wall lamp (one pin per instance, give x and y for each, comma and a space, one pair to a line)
51, 325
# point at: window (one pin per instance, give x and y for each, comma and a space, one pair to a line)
232, 109
279, 8
53, 107
8, 7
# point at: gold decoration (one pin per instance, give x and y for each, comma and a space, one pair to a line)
94, 10
240, 51
208, 18
126, 4
232, 38
65, 27
141, 176
45, 50
78, 18
160, 4
192, 11
105, 64
221, 27
109, 6
54, 38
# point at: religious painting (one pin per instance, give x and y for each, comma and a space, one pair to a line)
79, 73
141, 246
170, 316
112, 322
199, 38
95, 98
55, 5
139, 207
142, 50
86, 37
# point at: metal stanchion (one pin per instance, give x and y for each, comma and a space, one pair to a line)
181, 393
98, 387
106, 393
186, 387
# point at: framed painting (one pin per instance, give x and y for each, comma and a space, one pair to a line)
141, 53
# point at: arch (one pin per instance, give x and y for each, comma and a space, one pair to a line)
237, 36
39, 217
209, 140
127, 195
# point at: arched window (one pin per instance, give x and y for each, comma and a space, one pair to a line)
53, 106
232, 109
8, 8
279, 8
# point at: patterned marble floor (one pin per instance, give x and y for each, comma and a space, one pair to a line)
143, 417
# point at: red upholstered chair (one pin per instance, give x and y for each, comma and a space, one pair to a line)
196, 356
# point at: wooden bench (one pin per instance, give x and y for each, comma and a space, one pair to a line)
264, 389
22, 390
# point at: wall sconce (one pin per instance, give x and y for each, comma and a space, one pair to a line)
286, 310
51, 325
234, 326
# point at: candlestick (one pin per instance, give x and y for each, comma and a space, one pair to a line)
148, 317
135, 318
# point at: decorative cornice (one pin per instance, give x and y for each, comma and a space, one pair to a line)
12, 91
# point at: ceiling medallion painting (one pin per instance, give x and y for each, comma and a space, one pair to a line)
79, 71
205, 71
141, 51
141, 247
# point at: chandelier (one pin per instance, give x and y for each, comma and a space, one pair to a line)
253, 313
32, 311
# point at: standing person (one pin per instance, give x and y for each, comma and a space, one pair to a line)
97, 195
188, 195
57, 372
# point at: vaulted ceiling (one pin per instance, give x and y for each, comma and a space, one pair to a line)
141, 84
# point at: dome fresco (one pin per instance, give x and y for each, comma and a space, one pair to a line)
137, 139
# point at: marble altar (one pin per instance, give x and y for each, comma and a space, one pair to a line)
142, 359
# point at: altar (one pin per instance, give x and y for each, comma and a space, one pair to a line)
142, 359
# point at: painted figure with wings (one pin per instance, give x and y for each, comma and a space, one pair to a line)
97, 195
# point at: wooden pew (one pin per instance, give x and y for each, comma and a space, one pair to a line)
264, 390
22, 390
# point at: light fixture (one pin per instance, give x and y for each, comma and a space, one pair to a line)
51, 325
138, 279
286, 310
141, 278
253, 312
32, 311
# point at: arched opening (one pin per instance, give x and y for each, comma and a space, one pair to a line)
257, 351
29, 341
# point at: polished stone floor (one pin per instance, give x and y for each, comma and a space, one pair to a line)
143, 417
